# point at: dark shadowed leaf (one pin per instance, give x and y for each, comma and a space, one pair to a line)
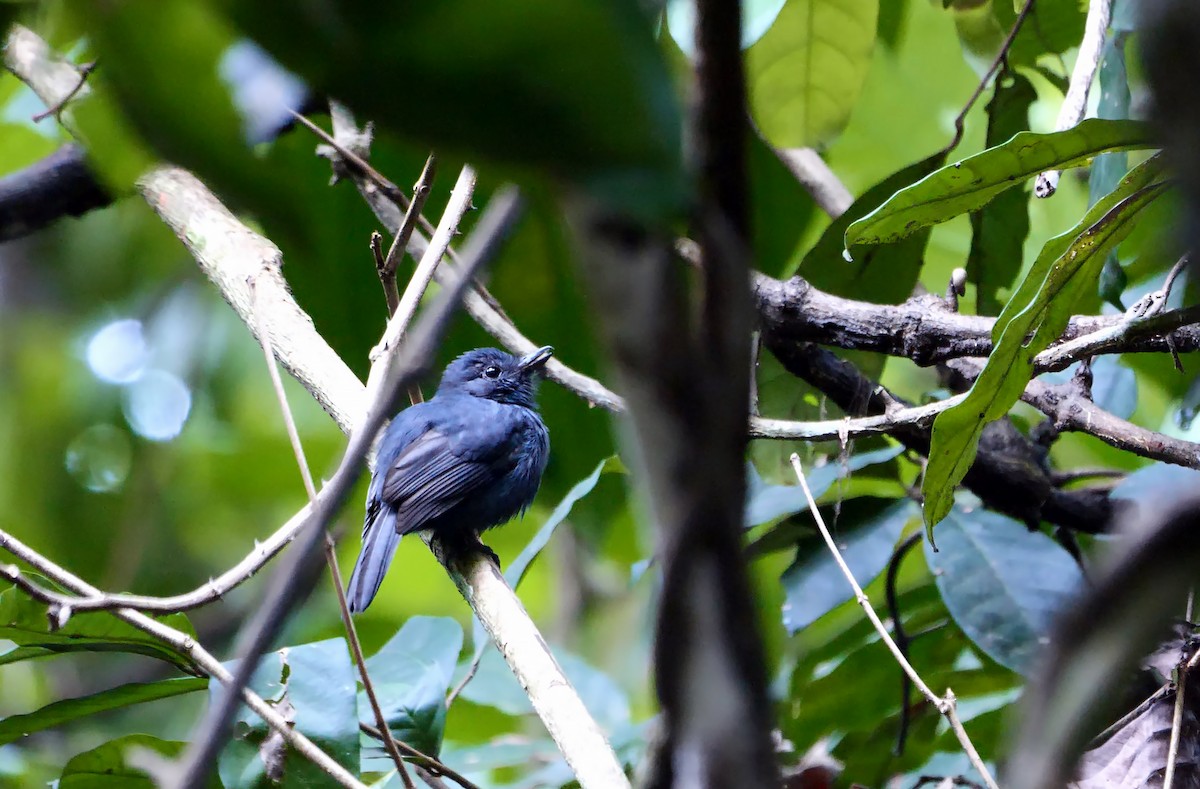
580, 91
883, 274
411, 675
815, 584
1036, 315
312, 686
998, 230
1002, 583
23, 621
969, 184
57, 713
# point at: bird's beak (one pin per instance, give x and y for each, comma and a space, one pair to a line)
535, 360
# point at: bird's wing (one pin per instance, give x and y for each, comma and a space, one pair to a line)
429, 477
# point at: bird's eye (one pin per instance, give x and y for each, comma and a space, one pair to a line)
492, 371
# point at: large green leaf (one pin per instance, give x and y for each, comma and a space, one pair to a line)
311, 686
56, 713
815, 583
806, 73
411, 675
1067, 267
23, 621
109, 766
998, 230
969, 184
1002, 583
580, 90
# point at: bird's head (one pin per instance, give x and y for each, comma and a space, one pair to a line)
496, 375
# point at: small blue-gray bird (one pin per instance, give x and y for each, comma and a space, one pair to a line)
468, 459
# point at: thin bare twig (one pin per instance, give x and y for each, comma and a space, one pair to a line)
946, 705
429, 762
1075, 102
987, 77
85, 70
420, 194
330, 554
1177, 716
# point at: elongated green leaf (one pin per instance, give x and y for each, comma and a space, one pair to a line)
15, 727
806, 73
998, 230
110, 766
1036, 315
23, 621
311, 686
969, 184
1002, 583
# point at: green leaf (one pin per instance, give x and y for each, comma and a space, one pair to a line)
969, 184
1036, 316
56, 713
998, 230
578, 91
109, 765
806, 73
312, 686
766, 502
814, 582
782, 208
23, 621
882, 275
411, 675
1002, 583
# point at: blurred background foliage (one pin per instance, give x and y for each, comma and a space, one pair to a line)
141, 445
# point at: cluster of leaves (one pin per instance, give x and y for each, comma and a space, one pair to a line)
583, 96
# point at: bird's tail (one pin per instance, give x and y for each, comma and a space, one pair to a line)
379, 545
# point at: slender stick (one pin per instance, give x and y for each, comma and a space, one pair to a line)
1075, 102
946, 705
1177, 717
421, 758
330, 553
